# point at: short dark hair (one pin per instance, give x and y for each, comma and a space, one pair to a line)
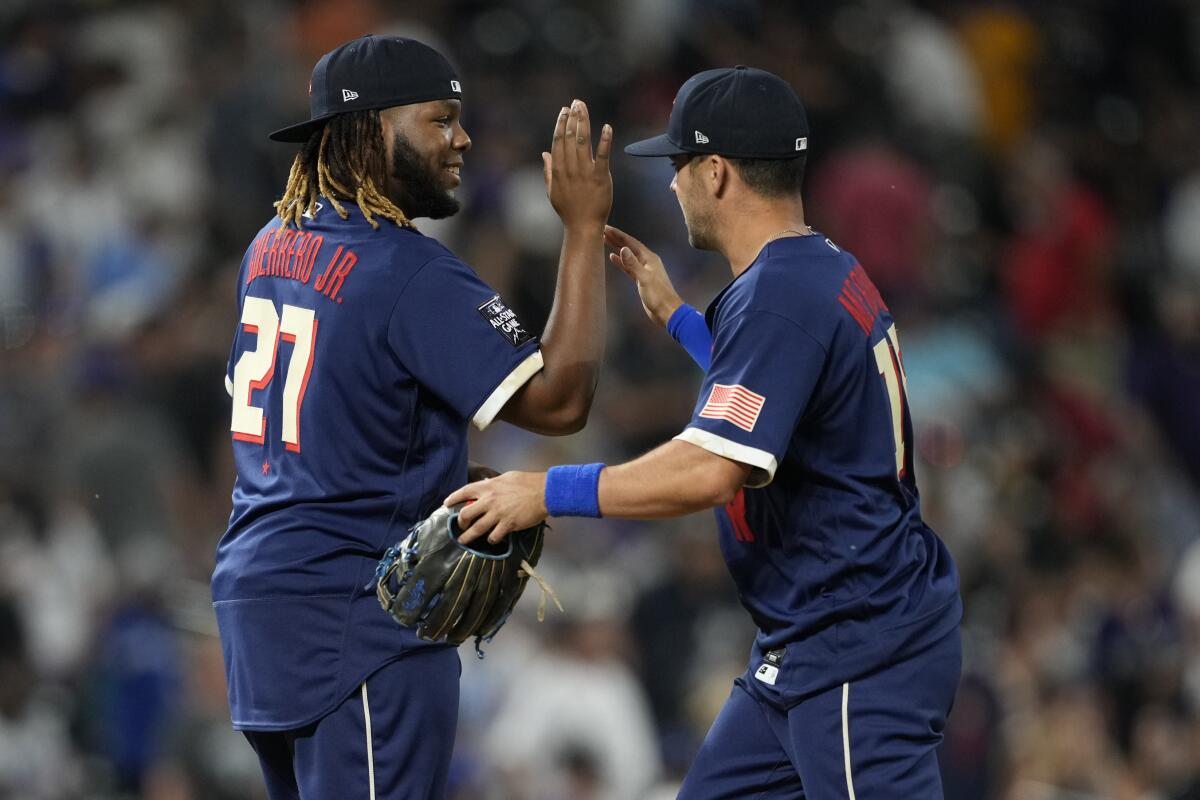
772, 177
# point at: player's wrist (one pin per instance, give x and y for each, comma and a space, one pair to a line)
687, 327
669, 310
584, 226
573, 490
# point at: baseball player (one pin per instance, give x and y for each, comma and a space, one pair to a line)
363, 352
802, 439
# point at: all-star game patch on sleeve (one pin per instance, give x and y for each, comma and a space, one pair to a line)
460, 340
763, 372
504, 321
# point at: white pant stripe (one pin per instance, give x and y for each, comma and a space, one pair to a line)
845, 739
370, 746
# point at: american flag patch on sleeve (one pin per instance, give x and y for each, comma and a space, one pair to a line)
735, 404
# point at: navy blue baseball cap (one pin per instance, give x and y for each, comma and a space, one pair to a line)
741, 112
373, 72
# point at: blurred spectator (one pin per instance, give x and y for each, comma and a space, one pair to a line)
688, 628
1055, 268
36, 758
574, 724
876, 203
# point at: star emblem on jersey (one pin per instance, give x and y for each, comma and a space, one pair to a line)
735, 404
266, 467
348, 95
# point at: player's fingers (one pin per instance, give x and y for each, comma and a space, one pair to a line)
636, 263
480, 527
614, 238
619, 262
547, 169
498, 533
468, 514
620, 238
560, 134
570, 149
463, 494
605, 145
583, 134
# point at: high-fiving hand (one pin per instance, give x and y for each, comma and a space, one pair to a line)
578, 185
643, 265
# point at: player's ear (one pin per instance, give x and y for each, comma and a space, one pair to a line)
717, 174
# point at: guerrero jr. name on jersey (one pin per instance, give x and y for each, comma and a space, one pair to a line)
504, 321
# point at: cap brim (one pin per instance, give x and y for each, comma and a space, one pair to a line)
655, 146
300, 131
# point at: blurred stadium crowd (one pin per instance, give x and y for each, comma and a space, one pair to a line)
1022, 180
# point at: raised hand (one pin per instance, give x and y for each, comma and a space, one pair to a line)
643, 265
579, 185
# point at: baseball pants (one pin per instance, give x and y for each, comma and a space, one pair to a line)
871, 739
390, 740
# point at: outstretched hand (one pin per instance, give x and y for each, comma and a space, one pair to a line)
659, 298
579, 185
501, 505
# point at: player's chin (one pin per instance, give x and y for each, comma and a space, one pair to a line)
448, 207
699, 241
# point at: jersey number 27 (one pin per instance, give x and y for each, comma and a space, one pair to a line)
891, 367
256, 368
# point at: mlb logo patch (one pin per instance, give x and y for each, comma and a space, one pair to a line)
735, 404
455, 87
767, 674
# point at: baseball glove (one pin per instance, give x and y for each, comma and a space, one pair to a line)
450, 591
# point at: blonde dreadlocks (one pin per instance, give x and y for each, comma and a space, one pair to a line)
345, 160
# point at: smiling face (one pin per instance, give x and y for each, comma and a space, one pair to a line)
425, 147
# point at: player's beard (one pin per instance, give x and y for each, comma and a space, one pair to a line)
420, 194
700, 225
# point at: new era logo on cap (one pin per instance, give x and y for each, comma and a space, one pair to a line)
454, 86
348, 95
701, 138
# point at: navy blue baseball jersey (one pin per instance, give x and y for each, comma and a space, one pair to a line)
360, 359
826, 543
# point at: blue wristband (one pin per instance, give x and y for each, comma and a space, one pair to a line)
687, 327
573, 490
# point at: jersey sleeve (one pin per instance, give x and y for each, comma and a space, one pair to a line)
764, 368
460, 341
